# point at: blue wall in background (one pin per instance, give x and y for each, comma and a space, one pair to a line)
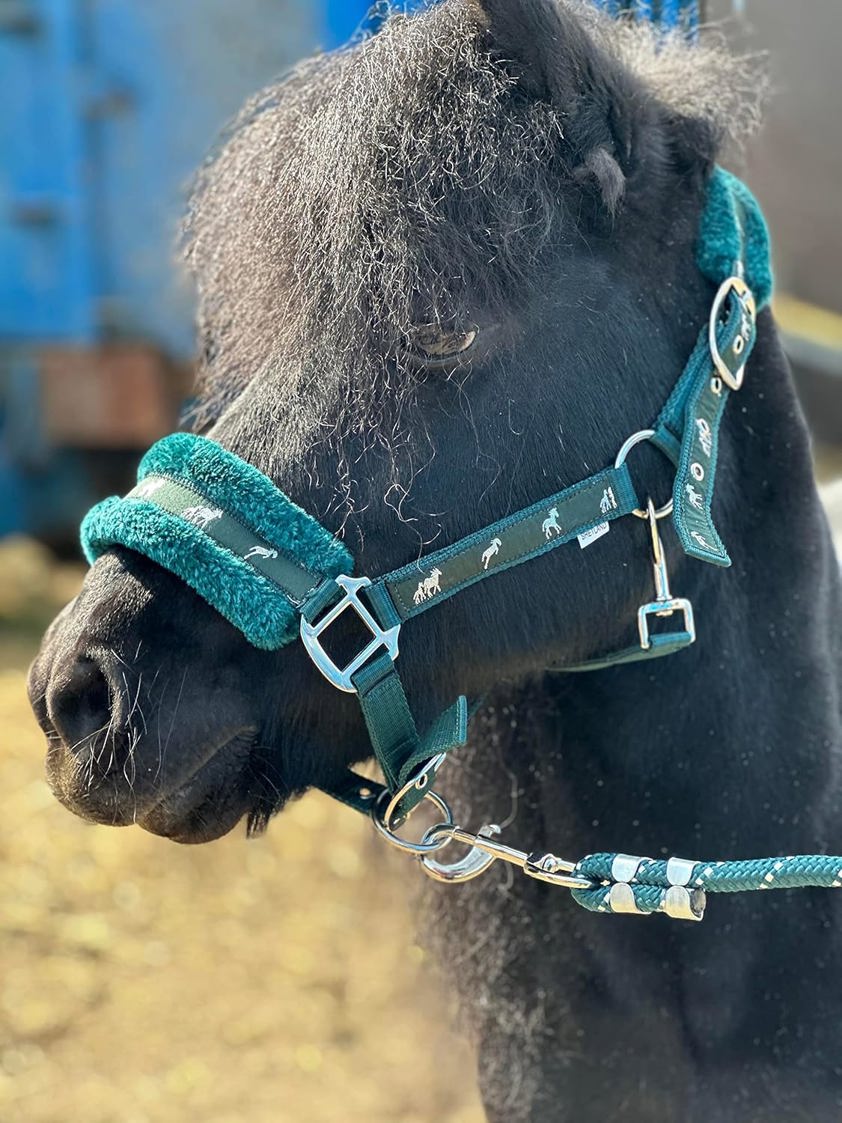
114, 104
109, 106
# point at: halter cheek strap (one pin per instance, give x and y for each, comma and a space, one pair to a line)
274, 572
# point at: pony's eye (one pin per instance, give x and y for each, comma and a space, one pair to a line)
432, 343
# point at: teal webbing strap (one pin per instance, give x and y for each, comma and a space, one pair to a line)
691, 420
670, 425
391, 726
448, 731
320, 600
666, 643
397, 747
528, 534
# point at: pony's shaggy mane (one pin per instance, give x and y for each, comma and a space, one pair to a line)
401, 182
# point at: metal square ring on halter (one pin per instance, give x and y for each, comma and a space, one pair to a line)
387, 638
664, 608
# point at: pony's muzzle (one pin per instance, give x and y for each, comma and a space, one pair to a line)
142, 697
90, 757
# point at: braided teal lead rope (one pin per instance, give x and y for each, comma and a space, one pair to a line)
643, 885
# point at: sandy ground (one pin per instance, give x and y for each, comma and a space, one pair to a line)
140, 981
276, 980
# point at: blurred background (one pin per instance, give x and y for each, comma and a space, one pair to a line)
278, 979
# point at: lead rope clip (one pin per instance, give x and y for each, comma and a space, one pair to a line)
664, 604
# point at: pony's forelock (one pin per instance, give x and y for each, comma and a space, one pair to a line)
400, 182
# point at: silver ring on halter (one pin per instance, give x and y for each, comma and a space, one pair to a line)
628, 445
381, 819
424, 774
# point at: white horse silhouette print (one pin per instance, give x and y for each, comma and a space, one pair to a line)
705, 436
428, 587
260, 552
694, 496
201, 516
550, 523
493, 549
607, 502
147, 488
701, 540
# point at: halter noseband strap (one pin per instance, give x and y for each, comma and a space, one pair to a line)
272, 570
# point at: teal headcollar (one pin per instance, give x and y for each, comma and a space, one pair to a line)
272, 570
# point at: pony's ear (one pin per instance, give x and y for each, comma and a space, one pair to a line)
546, 46
694, 142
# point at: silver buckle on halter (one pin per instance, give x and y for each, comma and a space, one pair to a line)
387, 638
748, 311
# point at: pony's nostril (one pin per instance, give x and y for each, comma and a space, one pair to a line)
80, 705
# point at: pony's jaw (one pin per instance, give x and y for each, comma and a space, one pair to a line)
210, 803
204, 806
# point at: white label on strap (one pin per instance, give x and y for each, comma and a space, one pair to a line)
592, 534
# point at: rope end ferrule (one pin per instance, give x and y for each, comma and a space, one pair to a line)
642, 886
677, 902
621, 899
682, 903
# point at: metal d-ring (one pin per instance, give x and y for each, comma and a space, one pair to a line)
628, 445
419, 780
381, 820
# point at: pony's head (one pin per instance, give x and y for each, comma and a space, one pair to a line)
441, 274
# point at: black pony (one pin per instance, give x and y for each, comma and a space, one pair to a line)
444, 274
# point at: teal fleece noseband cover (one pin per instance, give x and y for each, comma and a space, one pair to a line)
225, 529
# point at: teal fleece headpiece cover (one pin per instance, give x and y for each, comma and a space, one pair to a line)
223, 527
731, 229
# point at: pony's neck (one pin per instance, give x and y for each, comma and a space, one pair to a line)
715, 751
